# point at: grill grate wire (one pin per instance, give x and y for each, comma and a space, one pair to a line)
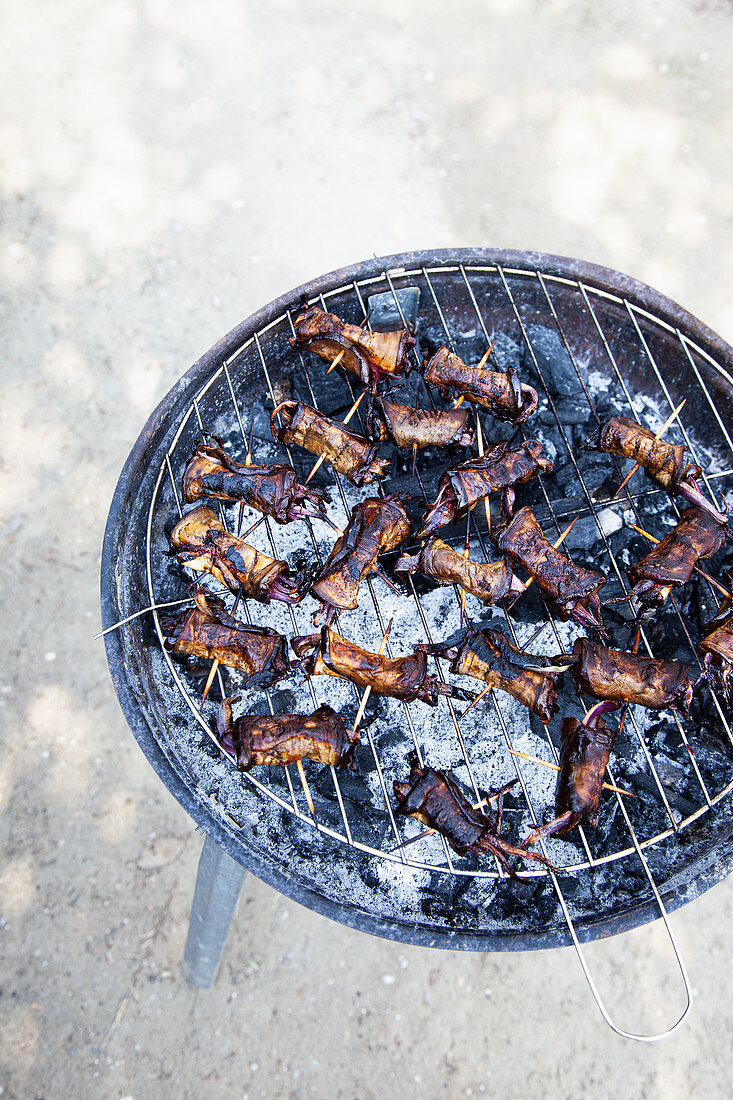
635, 846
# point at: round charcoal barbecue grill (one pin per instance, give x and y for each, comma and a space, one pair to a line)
594, 344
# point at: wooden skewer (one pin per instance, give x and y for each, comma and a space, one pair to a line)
716, 584
557, 545
337, 359
660, 433
346, 420
481, 364
306, 788
556, 768
215, 665
367, 690
478, 699
480, 441
466, 546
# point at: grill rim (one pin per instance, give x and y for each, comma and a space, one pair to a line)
157, 434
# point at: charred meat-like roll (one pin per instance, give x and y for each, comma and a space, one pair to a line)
499, 391
201, 543
368, 355
669, 463
671, 563
273, 490
348, 452
375, 527
435, 799
490, 581
209, 631
407, 427
405, 678
572, 589
605, 673
281, 739
716, 648
488, 655
585, 749
499, 470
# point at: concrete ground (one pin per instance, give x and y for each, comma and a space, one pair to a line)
166, 169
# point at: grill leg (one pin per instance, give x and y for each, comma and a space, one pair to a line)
218, 886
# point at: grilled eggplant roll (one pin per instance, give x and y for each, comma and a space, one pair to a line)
488, 655
281, 739
605, 673
368, 355
407, 427
667, 462
671, 563
201, 543
209, 631
435, 799
404, 678
585, 749
572, 589
499, 391
375, 527
499, 470
348, 452
490, 581
716, 648
273, 490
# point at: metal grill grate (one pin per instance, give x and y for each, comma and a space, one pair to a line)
462, 305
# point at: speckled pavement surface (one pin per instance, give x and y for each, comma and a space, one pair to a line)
166, 169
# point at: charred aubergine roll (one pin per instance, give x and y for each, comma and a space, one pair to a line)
407, 427
499, 391
280, 739
488, 655
209, 631
348, 452
669, 463
405, 678
368, 355
273, 490
572, 589
670, 564
376, 526
605, 673
585, 749
201, 542
500, 469
490, 581
435, 799
716, 648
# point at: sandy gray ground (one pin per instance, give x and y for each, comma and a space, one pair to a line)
166, 169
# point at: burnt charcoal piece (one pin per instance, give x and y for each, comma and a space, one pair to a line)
667, 462
368, 355
375, 527
209, 631
407, 427
405, 678
671, 563
489, 581
435, 799
488, 655
201, 543
605, 673
585, 749
347, 452
499, 470
281, 739
500, 392
273, 490
572, 589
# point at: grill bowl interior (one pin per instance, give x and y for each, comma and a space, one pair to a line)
624, 342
